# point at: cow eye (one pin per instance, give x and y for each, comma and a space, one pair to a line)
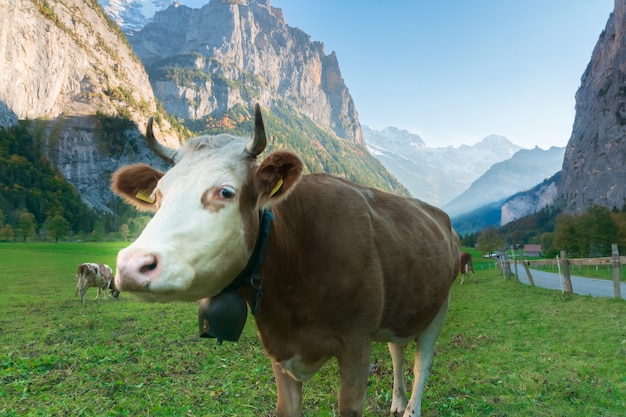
226, 193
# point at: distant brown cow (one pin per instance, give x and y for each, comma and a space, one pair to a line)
95, 275
466, 267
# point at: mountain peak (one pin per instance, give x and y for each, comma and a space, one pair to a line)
496, 140
399, 141
132, 15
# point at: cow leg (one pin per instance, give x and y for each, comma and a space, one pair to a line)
354, 365
424, 360
97, 294
399, 401
83, 291
289, 392
462, 278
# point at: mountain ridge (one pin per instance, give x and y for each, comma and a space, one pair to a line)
523, 171
203, 62
435, 175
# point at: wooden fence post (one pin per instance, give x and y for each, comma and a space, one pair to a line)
528, 274
565, 269
507, 266
616, 271
514, 263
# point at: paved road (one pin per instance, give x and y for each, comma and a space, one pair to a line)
580, 285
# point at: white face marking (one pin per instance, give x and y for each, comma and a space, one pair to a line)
200, 245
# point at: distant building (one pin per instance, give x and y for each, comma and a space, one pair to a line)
532, 250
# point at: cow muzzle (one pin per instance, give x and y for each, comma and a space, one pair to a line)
136, 272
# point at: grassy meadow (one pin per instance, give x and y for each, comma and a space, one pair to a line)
506, 350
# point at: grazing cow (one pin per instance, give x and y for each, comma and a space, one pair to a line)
466, 267
95, 275
326, 266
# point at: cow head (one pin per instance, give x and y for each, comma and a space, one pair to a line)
207, 213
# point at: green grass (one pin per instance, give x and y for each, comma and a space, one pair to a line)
506, 350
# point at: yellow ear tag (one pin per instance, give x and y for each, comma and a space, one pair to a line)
277, 187
144, 196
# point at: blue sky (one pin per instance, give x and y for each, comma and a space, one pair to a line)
455, 72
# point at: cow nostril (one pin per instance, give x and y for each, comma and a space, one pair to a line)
147, 268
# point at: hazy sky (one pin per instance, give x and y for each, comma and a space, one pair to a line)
454, 72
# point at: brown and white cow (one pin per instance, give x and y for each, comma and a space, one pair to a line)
344, 266
95, 275
467, 267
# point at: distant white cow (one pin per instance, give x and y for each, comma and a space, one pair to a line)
95, 275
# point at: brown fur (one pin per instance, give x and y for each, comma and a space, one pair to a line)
345, 265
132, 179
467, 267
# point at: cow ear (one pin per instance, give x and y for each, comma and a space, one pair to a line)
136, 184
277, 176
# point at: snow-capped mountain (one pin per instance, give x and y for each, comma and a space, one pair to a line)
435, 175
132, 15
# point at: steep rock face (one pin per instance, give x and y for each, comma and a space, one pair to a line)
205, 61
73, 144
75, 68
63, 62
594, 167
529, 202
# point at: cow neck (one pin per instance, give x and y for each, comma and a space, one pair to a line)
251, 273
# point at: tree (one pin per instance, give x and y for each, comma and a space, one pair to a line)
27, 224
58, 227
124, 231
567, 235
588, 234
7, 233
619, 220
469, 240
599, 230
547, 245
489, 240
98, 232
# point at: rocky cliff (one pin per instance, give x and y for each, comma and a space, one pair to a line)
594, 167
202, 62
62, 63
64, 57
68, 69
529, 202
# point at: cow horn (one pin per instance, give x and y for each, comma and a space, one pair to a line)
164, 152
258, 141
